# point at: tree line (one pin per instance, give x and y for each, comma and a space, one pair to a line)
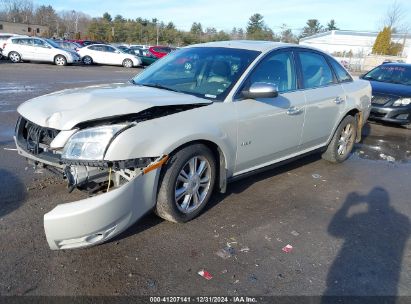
75, 24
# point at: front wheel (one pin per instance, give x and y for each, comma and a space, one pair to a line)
342, 142
87, 60
60, 60
186, 184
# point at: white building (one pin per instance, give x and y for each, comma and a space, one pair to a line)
358, 43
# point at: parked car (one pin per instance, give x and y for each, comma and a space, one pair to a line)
3, 39
65, 45
170, 137
126, 50
146, 57
139, 46
160, 51
107, 54
391, 93
19, 49
84, 42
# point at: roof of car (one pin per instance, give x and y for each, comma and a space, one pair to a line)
399, 64
255, 45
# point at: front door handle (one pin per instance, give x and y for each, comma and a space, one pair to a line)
339, 100
294, 110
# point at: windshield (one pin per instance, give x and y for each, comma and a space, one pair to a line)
206, 72
391, 73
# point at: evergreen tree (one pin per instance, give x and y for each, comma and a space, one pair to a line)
383, 42
312, 27
331, 26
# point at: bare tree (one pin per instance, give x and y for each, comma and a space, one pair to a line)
395, 17
17, 10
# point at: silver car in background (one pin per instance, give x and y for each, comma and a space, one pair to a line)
22, 48
169, 138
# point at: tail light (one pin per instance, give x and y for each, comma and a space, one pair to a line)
77, 49
4, 45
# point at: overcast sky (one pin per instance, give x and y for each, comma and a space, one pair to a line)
225, 14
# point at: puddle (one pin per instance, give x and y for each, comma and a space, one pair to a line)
392, 149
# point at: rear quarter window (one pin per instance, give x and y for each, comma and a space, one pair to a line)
342, 74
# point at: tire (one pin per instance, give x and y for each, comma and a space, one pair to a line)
60, 60
342, 142
127, 63
14, 57
87, 60
177, 200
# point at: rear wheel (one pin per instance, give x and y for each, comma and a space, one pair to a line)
342, 142
60, 60
87, 60
14, 57
186, 184
127, 63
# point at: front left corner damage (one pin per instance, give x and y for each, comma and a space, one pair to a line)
99, 218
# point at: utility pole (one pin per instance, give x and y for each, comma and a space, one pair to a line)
157, 31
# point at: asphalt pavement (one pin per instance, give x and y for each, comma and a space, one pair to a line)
348, 224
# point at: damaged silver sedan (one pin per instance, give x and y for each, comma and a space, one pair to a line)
193, 121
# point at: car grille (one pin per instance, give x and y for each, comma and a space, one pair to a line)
33, 138
380, 100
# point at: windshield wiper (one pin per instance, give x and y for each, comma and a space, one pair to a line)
159, 86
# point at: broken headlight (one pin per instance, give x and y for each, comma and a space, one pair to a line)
90, 144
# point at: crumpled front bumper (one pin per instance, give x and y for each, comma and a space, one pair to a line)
96, 219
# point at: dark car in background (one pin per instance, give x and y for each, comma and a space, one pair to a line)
391, 93
146, 57
84, 42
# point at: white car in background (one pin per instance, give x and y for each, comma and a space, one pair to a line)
23, 48
108, 54
3, 39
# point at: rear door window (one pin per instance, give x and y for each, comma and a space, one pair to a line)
39, 43
315, 70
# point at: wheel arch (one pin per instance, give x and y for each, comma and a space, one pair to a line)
54, 58
219, 155
357, 114
359, 117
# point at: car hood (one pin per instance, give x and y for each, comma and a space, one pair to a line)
65, 109
392, 89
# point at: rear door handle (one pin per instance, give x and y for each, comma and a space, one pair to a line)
294, 110
339, 100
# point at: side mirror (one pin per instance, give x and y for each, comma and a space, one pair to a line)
261, 90
117, 52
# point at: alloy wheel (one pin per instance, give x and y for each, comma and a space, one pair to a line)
346, 140
193, 184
